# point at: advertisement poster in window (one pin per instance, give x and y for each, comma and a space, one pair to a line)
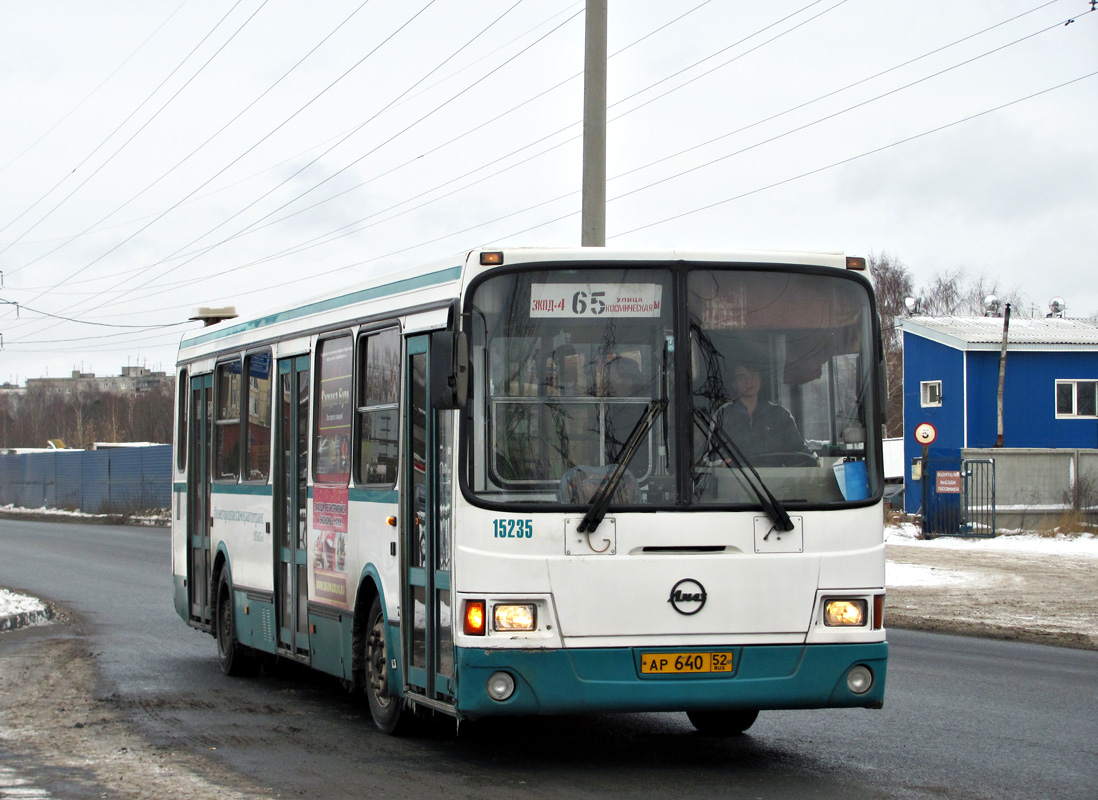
333, 427
330, 544
333, 467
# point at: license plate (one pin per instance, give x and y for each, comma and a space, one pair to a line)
677, 663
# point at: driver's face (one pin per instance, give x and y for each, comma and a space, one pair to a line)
747, 381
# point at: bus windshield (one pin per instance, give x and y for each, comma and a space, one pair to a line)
702, 385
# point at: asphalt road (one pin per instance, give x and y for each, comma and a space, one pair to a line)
963, 718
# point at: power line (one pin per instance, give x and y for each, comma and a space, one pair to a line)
498, 219
221, 130
874, 151
250, 149
348, 166
254, 225
330, 237
24, 307
79, 105
118, 128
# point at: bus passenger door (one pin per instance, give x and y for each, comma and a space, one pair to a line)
198, 498
426, 490
291, 499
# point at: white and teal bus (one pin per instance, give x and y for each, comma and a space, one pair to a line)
522, 484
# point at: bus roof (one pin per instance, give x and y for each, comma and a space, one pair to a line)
436, 284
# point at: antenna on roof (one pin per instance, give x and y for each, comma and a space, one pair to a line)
1056, 307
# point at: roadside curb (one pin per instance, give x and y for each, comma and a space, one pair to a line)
11, 622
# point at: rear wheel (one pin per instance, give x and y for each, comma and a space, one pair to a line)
234, 658
725, 722
386, 708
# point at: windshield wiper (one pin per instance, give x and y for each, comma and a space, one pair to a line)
601, 501
728, 450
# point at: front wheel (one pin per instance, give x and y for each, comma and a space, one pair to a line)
386, 709
728, 722
233, 657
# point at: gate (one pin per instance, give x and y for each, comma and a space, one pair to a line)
978, 498
959, 503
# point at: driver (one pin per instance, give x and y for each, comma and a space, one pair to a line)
760, 427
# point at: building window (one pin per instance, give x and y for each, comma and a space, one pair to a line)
1077, 399
931, 394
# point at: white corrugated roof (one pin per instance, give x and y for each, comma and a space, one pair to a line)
1054, 331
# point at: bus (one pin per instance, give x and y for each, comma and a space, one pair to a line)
519, 483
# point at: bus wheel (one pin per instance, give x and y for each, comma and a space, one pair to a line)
726, 722
234, 658
386, 709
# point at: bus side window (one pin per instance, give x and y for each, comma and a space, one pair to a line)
257, 445
332, 418
182, 393
227, 421
377, 405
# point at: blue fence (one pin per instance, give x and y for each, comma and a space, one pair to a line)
94, 481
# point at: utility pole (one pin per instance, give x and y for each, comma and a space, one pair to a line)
593, 233
1002, 375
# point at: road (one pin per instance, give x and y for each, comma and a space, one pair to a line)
124, 700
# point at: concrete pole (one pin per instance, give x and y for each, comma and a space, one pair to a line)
593, 232
1002, 376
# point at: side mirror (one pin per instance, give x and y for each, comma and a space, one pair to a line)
449, 369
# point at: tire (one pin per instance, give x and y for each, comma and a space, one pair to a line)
387, 710
234, 658
726, 722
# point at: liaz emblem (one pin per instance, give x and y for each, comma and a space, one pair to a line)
687, 596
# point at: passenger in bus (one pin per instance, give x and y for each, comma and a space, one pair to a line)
759, 427
624, 380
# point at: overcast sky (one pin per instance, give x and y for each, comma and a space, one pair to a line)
157, 156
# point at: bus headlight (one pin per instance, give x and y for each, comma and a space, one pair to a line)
845, 613
517, 617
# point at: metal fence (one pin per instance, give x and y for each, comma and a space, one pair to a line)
1036, 488
114, 481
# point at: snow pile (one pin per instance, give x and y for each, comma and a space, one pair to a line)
18, 610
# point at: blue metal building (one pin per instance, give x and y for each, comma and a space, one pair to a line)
951, 380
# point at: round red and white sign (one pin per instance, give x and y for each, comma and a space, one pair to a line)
925, 433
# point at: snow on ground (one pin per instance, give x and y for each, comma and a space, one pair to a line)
156, 518
12, 603
922, 575
906, 535
1083, 544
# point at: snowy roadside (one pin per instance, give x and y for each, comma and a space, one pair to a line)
1026, 586
156, 517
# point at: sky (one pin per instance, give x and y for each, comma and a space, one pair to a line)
157, 156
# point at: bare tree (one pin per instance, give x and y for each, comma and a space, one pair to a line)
893, 284
953, 294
